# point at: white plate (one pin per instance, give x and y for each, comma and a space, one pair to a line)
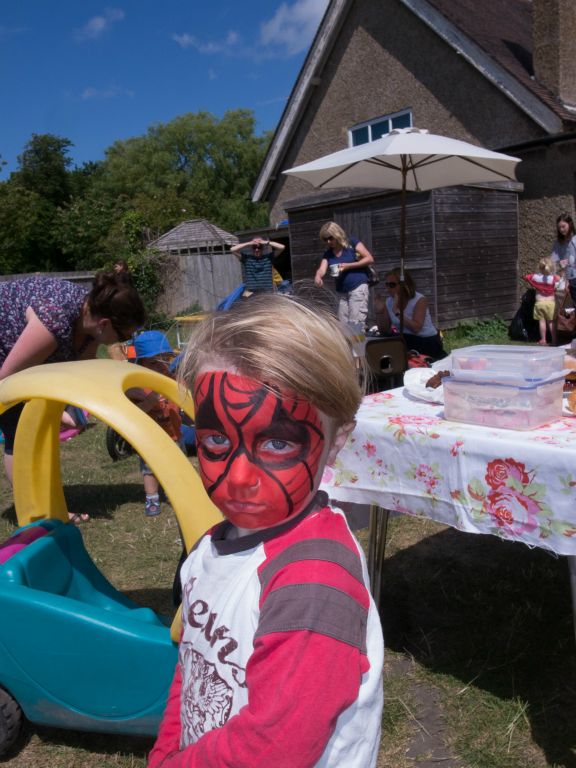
415, 384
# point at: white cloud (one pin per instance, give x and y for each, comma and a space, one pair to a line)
97, 25
287, 33
293, 26
8, 32
185, 40
112, 92
189, 41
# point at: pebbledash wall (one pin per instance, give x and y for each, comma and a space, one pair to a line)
384, 60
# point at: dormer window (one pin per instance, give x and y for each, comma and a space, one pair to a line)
371, 130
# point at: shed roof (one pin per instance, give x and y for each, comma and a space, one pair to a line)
195, 233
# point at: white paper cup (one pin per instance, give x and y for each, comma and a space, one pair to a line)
334, 270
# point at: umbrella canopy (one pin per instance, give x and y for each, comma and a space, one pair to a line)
408, 159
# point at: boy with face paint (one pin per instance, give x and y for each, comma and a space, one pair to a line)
281, 655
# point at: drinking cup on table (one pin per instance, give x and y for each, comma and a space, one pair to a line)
334, 270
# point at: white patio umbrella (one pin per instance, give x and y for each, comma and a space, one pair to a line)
408, 159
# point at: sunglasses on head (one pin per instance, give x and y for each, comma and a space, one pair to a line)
390, 284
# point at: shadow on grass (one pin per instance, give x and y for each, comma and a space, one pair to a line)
102, 743
160, 600
495, 614
97, 500
101, 501
9, 514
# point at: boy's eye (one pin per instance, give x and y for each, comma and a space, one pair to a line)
275, 450
215, 445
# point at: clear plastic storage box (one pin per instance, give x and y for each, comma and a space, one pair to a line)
504, 364
506, 405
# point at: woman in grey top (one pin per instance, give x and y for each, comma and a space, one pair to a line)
564, 252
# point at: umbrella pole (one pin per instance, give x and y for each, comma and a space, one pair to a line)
402, 243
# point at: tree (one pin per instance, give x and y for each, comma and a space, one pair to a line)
81, 230
26, 233
43, 168
195, 164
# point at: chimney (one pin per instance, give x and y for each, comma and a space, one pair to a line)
554, 47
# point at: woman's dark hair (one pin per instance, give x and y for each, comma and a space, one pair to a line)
571, 231
115, 298
408, 287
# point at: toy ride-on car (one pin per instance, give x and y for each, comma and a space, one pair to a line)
74, 651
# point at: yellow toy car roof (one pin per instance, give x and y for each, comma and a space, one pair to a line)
98, 386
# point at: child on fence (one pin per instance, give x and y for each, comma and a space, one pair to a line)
281, 654
544, 282
153, 350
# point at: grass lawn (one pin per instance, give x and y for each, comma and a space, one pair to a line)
480, 663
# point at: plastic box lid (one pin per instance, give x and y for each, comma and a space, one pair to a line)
505, 380
498, 363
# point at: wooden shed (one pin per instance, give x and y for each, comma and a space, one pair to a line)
199, 269
461, 243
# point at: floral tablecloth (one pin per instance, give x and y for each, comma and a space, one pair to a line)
404, 456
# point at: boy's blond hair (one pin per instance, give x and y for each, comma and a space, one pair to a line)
286, 343
545, 265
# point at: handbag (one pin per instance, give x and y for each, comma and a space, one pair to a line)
371, 274
373, 278
566, 321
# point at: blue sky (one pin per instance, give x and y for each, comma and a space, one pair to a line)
94, 73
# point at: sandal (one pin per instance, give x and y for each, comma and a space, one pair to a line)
78, 517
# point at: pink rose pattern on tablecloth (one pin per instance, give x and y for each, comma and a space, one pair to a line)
428, 476
408, 457
513, 500
420, 426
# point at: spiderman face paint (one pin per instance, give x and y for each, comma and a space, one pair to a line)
259, 451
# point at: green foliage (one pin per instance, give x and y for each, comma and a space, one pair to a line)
493, 331
27, 242
82, 229
144, 264
29, 206
43, 168
195, 166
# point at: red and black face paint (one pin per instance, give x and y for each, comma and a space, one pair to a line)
259, 450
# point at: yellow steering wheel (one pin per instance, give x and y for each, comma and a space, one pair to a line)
98, 386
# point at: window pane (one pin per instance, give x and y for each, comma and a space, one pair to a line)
360, 136
380, 129
402, 121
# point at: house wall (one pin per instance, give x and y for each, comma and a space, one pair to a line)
385, 60
549, 178
461, 246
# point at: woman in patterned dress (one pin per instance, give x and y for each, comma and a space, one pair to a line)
49, 320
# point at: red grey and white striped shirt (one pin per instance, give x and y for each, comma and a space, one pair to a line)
281, 656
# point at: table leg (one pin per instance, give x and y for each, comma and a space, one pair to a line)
572, 568
377, 549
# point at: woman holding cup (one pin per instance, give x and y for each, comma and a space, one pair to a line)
346, 259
